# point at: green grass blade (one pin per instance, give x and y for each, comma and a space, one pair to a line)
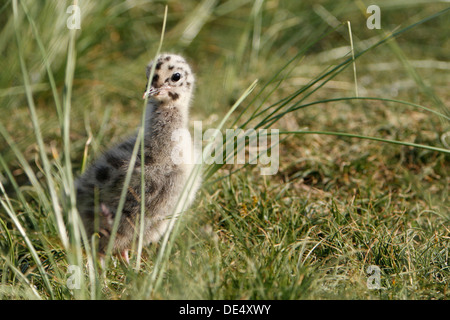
37, 131
351, 135
24, 280
142, 140
123, 196
214, 167
10, 211
296, 107
167, 242
44, 54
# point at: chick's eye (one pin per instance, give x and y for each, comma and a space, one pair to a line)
175, 77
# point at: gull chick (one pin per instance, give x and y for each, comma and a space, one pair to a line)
100, 187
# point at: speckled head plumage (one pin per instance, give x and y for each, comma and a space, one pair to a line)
172, 81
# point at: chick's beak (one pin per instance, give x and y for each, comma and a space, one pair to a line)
152, 91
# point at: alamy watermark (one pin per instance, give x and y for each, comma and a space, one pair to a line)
374, 279
74, 20
374, 20
73, 281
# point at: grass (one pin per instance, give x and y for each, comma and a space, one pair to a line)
364, 166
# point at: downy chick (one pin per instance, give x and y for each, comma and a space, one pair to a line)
100, 187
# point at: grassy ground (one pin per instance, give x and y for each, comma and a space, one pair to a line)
337, 205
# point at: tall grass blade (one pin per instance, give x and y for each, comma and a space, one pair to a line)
142, 140
351, 135
353, 57
37, 131
167, 242
10, 211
